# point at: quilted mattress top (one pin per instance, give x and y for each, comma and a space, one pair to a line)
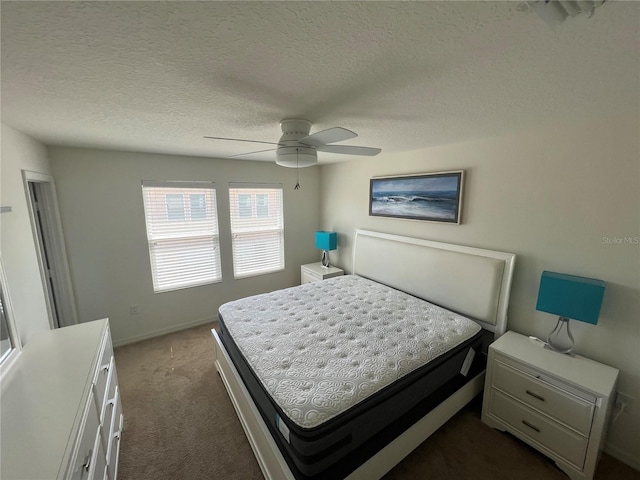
322, 347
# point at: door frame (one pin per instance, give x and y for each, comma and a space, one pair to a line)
56, 250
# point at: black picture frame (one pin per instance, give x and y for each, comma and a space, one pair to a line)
433, 197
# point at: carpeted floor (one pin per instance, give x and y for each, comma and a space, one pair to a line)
180, 424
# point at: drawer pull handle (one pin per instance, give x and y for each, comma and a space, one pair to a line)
535, 395
533, 427
87, 461
105, 368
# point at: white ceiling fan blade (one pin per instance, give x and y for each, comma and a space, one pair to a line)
349, 150
330, 135
242, 140
251, 153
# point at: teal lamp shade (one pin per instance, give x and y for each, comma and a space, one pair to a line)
577, 298
571, 298
326, 241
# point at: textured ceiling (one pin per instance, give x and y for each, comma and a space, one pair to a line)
158, 76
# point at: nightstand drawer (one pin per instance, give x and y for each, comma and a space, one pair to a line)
542, 430
309, 277
315, 272
559, 404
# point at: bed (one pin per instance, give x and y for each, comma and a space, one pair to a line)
343, 378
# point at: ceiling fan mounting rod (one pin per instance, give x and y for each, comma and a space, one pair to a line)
295, 126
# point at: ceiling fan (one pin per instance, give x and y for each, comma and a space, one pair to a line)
296, 148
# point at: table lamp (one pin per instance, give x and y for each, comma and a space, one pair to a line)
326, 241
570, 297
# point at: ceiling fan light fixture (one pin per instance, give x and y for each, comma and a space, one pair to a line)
296, 156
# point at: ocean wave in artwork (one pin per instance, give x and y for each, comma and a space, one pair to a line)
441, 205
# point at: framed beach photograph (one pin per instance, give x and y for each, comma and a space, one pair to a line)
436, 197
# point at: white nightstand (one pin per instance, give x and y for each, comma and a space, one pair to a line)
558, 404
314, 272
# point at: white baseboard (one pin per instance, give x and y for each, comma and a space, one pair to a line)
621, 455
163, 331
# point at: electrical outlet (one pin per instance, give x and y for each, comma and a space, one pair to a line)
134, 309
624, 399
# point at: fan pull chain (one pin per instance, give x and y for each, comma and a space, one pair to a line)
297, 187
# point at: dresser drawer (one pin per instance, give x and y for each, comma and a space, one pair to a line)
101, 378
85, 448
99, 461
113, 450
555, 402
557, 439
109, 407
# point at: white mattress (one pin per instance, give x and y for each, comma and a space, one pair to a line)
321, 348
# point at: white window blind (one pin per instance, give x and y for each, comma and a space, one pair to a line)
182, 230
257, 229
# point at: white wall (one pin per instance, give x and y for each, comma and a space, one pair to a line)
100, 201
557, 197
17, 246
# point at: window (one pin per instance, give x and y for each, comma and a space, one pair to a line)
262, 205
198, 206
257, 229
182, 230
175, 207
244, 205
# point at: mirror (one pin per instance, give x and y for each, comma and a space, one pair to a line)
9, 340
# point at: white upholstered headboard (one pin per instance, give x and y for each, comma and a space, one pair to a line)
471, 281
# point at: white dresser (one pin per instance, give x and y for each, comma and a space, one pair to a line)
556, 403
61, 412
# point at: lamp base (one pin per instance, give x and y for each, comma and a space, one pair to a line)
560, 339
325, 259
